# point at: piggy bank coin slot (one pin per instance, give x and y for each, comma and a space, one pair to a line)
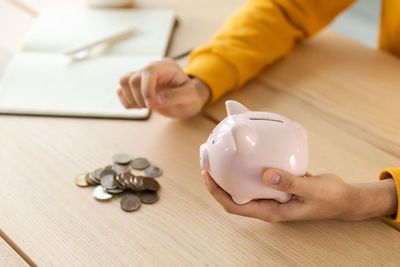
264, 119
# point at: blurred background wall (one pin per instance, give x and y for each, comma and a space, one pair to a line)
360, 22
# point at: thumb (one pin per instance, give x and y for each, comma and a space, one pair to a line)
286, 182
174, 96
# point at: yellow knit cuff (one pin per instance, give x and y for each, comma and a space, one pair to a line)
395, 174
220, 75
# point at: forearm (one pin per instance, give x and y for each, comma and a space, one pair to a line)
261, 32
252, 38
374, 199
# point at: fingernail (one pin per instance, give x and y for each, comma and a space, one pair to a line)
275, 178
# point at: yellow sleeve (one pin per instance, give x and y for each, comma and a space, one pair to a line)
389, 37
261, 32
395, 174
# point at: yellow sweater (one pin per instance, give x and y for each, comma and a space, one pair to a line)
263, 31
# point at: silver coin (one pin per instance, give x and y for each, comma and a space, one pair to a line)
107, 172
120, 181
131, 183
152, 171
114, 191
100, 194
108, 182
126, 193
150, 184
121, 168
92, 180
140, 163
138, 182
121, 158
149, 197
95, 175
130, 203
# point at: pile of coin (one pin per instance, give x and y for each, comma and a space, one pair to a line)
118, 178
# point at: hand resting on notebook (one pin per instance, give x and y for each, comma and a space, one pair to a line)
163, 87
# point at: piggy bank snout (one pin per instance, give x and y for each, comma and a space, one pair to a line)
204, 161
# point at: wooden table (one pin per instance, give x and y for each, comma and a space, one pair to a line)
50, 221
8, 256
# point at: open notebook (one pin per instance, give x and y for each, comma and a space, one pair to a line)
40, 80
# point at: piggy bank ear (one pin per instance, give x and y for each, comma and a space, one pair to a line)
244, 138
233, 108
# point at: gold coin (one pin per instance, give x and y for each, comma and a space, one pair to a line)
81, 180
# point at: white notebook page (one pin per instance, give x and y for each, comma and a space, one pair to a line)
57, 30
40, 80
37, 83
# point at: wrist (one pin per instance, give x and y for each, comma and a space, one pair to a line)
203, 90
373, 199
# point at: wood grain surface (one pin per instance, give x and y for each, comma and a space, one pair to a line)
356, 86
8, 256
56, 223
14, 24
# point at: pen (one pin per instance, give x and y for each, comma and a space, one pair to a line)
112, 38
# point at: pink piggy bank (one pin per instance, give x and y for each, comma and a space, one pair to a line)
246, 143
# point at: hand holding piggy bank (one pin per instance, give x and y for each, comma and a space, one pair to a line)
245, 143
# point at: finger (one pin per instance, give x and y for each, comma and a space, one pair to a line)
148, 85
175, 96
287, 182
166, 69
218, 193
124, 102
129, 103
124, 82
134, 86
261, 209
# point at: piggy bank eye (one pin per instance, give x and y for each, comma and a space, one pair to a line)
213, 141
